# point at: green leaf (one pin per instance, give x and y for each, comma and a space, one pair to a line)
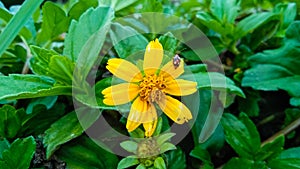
88, 56
117, 4
4, 145
17, 86
17, 22
176, 159
49, 63
83, 153
271, 150
252, 22
89, 98
80, 7
284, 163
290, 153
225, 11
128, 162
68, 128
288, 13
273, 69
80, 32
167, 147
241, 134
54, 23
242, 163
39, 63
169, 43
46, 101
215, 81
20, 153
41, 118
61, 69
164, 137
10, 122
129, 146
127, 41
289, 159
6, 16
201, 154
159, 163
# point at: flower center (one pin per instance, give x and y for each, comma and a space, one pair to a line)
151, 88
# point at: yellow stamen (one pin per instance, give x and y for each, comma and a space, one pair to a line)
151, 88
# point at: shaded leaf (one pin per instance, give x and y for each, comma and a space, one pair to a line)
10, 122
176, 159
83, 153
68, 128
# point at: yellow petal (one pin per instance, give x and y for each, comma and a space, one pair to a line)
142, 112
131, 125
150, 128
124, 70
170, 70
120, 93
175, 110
153, 55
180, 87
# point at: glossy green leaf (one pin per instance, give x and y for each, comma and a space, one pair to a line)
55, 22
128, 162
20, 153
68, 128
17, 22
241, 134
127, 41
10, 122
242, 163
83, 153
80, 32
274, 69
290, 153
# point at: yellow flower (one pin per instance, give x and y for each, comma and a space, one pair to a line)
150, 87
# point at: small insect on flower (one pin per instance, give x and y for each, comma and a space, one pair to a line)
176, 61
